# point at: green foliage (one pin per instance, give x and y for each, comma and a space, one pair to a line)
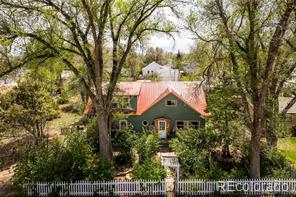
147, 145
100, 169
205, 152
69, 160
157, 55
150, 169
152, 77
27, 107
193, 154
92, 134
287, 147
47, 72
189, 77
63, 97
123, 139
197, 152
123, 159
273, 164
55, 191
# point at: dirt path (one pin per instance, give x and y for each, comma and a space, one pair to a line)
5, 181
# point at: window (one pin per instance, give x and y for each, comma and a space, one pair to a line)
171, 102
183, 124
194, 124
145, 123
180, 124
125, 102
122, 102
162, 125
122, 124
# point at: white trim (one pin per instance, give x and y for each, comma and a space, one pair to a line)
144, 124
119, 101
166, 100
162, 133
121, 121
186, 123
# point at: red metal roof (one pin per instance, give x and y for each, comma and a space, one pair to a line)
189, 92
150, 93
129, 88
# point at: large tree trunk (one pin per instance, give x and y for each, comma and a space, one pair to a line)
255, 139
104, 133
255, 156
272, 105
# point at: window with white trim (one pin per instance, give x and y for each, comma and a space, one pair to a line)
171, 103
194, 124
184, 124
122, 124
121, 102
180, 124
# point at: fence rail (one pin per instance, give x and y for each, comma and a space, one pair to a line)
152, 187
248, 187
106, 188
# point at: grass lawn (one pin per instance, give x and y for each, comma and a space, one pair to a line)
287, 147
66, 119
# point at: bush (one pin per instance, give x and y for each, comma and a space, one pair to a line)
100, 169
123, 139
273, 164
150, 169
92, 134
63, 97
147, 145
69, 160
197, 154
123, 159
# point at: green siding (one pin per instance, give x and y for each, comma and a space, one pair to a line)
179, 112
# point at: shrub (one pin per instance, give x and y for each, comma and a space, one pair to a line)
92, 134
150, 169
147, 145
63, 97
197, 152
123, 159
69, 160
123, 139
28, 107
273, 164
100, 169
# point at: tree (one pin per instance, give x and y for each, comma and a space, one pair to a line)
216, 150
154, 55
254, 38
80, 31
178, 60
134, 63
27, 107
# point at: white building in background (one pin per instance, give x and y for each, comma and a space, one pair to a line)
283, 102
166, 73
151, 68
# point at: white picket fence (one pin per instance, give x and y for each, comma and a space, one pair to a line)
104, 188
248, 186
152, 187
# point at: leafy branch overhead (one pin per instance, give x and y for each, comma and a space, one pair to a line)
257, 40
78, 33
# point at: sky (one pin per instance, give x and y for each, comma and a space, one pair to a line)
182, 43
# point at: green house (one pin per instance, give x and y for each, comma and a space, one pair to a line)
164, 106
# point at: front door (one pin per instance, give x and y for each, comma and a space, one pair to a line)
162, 129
